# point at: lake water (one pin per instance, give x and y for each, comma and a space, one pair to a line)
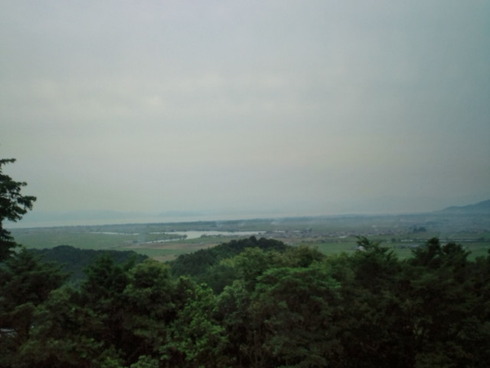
194, 234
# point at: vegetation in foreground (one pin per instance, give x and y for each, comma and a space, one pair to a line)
247, 303
267, 305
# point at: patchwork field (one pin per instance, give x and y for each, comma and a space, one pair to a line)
332, 234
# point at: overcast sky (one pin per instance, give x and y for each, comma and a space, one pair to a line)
293, 107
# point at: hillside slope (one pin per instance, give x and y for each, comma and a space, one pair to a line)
476, 208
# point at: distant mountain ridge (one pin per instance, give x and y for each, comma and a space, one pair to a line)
480, 207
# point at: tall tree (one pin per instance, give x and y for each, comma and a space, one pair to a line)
13, 205
25, 283
294, 317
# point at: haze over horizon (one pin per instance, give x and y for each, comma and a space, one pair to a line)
279, 107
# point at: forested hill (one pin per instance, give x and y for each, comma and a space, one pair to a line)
204, 264
74, 261
253, 303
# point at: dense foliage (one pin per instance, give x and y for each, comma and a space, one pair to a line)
270, 306
13, 205
74, 261
207, 266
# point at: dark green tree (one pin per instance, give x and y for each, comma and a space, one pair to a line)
448, 306
102, 293
63, 334
294, 315
371, 328
13, 205
271, 308
25, 283
148, 309
196, 339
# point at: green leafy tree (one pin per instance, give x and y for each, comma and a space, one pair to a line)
253, 308
146, 362
371, 328
448, 306
233, 310
300, 256
149, 307
196, 338
63, 334
102, 293
197, 264
295, 313
234, 306
13, 205
25, 283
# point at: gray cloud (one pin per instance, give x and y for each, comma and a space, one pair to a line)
291, 106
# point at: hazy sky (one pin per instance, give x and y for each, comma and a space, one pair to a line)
296, 107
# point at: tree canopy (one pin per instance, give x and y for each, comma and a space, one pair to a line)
13, 205
247, 303
275, 306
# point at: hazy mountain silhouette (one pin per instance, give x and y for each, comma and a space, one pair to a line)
480, 207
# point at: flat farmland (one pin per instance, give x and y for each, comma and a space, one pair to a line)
330, 234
